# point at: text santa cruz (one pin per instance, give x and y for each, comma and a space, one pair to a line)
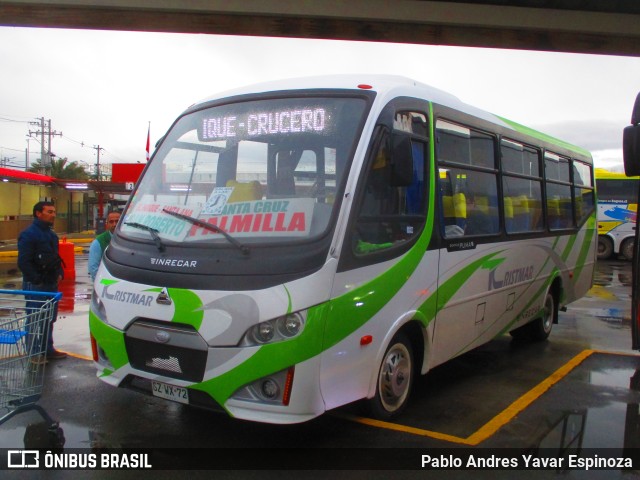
259, 217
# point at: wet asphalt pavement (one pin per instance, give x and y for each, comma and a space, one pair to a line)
580, 389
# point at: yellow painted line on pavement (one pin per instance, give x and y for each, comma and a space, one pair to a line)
497, 422
401, 428
504, 417
77, 355
602, 293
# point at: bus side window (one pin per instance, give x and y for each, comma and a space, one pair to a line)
521, 187
560, 209
468, 181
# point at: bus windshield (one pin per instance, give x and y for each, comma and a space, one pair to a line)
248, 173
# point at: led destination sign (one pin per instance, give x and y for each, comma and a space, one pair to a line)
264, 123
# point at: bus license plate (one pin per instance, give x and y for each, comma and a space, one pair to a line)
170, 392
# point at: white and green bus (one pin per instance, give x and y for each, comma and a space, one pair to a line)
299, 245
617, 210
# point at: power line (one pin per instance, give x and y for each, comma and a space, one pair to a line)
43, 136
77, 142
108, 152
12, 149
5, 119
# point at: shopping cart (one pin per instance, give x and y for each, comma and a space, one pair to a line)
25, 317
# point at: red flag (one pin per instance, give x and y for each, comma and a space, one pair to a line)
148, 138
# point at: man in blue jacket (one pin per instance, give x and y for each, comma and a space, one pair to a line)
40, 263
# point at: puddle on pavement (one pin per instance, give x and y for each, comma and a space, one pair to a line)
40, 434
613, 273
616, 424
74, 290
607, 412
613, 377
613, 316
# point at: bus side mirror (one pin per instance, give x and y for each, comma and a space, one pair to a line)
401, 161
631, 142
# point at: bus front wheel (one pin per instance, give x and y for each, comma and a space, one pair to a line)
395, 379
605, 248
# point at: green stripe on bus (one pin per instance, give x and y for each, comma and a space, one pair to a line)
270, 358
189, 308
544, 137
111, 341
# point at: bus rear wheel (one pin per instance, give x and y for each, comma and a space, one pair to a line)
605, 248
627, 249
539, 329
395, 379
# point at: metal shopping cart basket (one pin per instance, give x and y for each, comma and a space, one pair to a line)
25, 317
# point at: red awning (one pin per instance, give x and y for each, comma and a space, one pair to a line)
19, 175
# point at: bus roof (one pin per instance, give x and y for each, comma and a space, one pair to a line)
389, 86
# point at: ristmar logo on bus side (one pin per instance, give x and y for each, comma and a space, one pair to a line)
510, 277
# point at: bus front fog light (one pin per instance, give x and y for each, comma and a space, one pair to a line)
274, 389
270, 389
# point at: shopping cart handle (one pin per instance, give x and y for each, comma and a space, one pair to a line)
55, 295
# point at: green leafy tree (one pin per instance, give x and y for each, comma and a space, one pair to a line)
61, 168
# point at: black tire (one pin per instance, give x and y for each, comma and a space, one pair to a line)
627, 248
539, 329
395, 380
605, 248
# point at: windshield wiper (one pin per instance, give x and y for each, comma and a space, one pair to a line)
151, 230
210, 226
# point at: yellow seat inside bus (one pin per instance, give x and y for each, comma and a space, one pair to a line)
245, 191
454, 209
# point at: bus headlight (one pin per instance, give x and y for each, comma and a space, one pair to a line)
275, 330
264, 332
97, 307
290, 325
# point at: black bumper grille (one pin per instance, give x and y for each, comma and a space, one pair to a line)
167, 349
166, 360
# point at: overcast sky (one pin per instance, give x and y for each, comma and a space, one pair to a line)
103, 88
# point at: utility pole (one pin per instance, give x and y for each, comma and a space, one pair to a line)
45, 147
4, 160
100, 192
98, 148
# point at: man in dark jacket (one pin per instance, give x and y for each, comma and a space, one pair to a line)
40, 263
